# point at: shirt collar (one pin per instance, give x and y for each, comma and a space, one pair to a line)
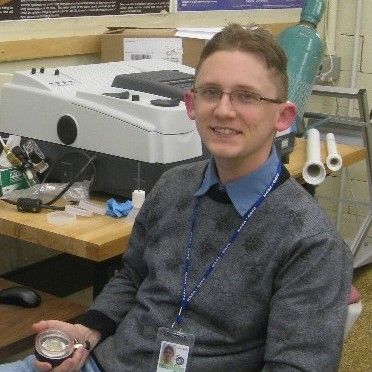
245, 191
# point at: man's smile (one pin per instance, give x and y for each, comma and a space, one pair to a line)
225, 130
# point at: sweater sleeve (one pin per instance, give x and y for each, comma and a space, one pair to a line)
309, 306
119, 294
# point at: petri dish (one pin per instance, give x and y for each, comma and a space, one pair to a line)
61, 218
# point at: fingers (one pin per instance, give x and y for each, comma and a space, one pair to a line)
80, 356
67, 366
45, 324
55, 324
73, 364
42, 366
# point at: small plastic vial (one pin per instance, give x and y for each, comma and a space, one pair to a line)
138, 197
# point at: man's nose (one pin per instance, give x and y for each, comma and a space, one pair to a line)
225, 107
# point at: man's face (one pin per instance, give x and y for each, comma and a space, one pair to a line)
168, 354
231, 131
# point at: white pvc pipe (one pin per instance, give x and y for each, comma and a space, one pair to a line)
354, 67
313, 171
333, 160
331, 26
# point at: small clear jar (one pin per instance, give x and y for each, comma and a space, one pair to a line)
53, 346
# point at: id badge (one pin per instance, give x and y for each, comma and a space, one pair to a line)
173, 350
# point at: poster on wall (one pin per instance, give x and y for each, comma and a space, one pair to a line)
202, 5
34, 9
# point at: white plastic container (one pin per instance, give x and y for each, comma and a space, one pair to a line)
60, 218
138, 197
93, 207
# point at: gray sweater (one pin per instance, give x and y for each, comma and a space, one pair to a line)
276, 302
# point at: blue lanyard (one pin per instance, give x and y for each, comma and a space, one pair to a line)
185, 299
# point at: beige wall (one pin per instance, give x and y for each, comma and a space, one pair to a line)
49, 28
344, 42
14, 30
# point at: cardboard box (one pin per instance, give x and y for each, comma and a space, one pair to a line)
11, 179
112, 43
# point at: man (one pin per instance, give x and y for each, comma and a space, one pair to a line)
231, 259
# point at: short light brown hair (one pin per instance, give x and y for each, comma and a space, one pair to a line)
252, 39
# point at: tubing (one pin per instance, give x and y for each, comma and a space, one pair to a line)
334, 160
313, 171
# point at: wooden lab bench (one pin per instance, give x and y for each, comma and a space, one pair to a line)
15, 322
98, 239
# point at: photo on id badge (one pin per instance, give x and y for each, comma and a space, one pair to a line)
172, 357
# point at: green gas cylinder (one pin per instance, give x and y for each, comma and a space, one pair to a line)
304, 49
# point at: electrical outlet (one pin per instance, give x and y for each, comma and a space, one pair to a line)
329, 69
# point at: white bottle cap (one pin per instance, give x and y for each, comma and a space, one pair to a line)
138, 197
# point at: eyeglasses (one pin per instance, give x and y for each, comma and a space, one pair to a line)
237, 97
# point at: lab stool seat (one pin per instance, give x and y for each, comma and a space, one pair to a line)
354, 309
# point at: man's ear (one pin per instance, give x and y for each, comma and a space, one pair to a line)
188, 98
287, 115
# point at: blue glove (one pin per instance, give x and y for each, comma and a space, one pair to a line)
115, 209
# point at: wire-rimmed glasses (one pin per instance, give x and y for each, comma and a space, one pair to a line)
239, 97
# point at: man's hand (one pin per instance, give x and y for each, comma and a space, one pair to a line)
75, 331
73, 364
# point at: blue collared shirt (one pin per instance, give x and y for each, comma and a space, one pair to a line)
245, 191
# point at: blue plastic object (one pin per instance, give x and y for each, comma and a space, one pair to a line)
304, 49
